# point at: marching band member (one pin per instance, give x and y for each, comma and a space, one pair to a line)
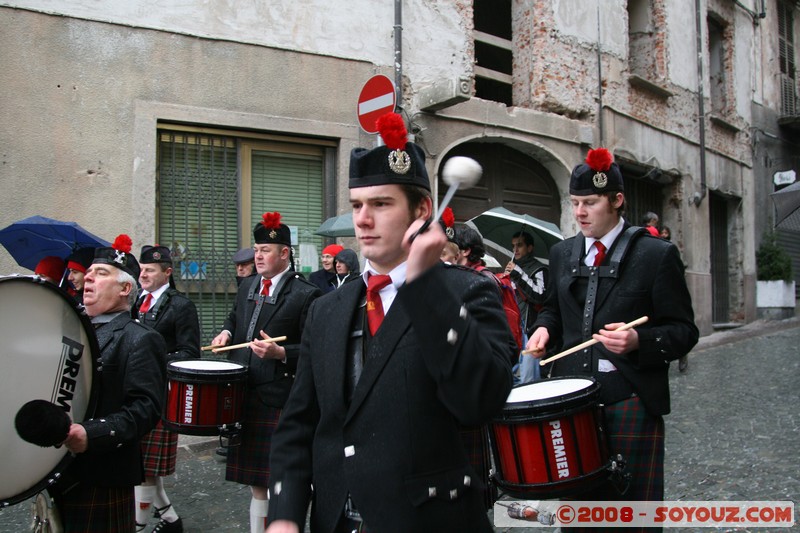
273, 303
174, 316
609, 274
373, 419
96, 491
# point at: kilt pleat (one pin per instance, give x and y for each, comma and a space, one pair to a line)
248, 463
86, 509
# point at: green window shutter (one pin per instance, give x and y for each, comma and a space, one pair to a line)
198, 218
292, 185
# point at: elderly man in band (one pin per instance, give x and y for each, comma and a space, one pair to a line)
96, 492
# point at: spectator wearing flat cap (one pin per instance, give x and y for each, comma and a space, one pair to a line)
174, 316
325, 277
244, 261
272, 304
96, 490
373, 419
77, 263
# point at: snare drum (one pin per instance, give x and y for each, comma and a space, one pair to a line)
204, 396
49, 353
549, 440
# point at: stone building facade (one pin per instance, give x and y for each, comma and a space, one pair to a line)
180, 123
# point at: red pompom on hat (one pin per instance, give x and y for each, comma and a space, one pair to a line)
271, 220
448, 222
599, 159
392, 130
271, 231
123, 243
119, 255
599, 174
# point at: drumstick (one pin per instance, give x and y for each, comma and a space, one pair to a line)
590, 342
245, 344
211, 347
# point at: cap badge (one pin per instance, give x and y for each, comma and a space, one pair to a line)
600, 180
120, 258
399, 161
157, 256
273, 234
450, 232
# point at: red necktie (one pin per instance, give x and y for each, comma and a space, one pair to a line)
265, 285
374, 305
601, 253
148, 300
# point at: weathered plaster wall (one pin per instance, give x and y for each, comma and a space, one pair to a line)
79, 126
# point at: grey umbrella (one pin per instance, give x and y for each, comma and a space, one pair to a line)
786, 201
338, 226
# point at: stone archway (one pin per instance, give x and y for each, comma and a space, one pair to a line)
511, 179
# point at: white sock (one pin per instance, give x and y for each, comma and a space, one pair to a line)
258, 515
145, 494
162, 500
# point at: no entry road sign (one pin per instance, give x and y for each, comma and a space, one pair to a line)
377, 98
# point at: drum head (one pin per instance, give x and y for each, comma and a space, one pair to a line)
206, 366
548, 388
49, 350
550, 396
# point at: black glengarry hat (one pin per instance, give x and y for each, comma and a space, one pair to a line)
598, 175
155, 254
118, 255
398, 162
271, 231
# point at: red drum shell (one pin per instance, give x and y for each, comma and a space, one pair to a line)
203, 395
549, 439
49, 353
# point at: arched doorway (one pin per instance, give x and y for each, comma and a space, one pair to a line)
511, 179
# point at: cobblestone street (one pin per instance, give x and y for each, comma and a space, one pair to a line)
733, 434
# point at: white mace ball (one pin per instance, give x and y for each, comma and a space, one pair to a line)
464, 171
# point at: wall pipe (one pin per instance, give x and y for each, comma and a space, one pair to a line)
697, 198
398, 53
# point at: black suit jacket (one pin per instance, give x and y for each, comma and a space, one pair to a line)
650, 282
174, 316
131, 376
282, 314
442, 358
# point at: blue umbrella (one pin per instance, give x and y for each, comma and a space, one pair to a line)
32, 239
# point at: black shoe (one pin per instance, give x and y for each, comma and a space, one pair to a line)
683, 363
169, 527
222, 452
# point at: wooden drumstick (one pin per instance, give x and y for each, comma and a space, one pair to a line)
211, 347
245, 344
590, 342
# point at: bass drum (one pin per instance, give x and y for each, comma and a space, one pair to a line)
49, 352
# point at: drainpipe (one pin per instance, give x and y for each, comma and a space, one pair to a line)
698, 197
398, 53
600, 82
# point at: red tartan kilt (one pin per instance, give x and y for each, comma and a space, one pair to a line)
159, 452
